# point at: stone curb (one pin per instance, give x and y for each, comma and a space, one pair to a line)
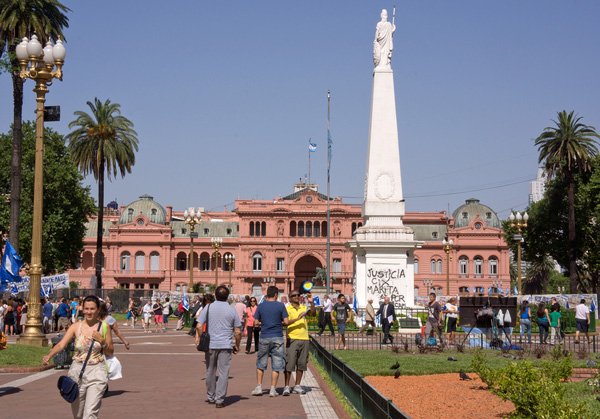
25, 370
335, 404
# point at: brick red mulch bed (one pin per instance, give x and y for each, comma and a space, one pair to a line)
25, 370
442, 396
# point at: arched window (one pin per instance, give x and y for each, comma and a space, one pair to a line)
263, 229
317, 229
140, 261
416, 266
153, 215
432, 270
293, 229
493, 266
125, 261
324, 229
308, 229
205, 261
477, 265
251, 228
257, 229
463, 289
359, 225
87, 260
463, 265
439, 266
154, 262
354, 229
300, 228
181, 261
257, 262
416, 291
130, 215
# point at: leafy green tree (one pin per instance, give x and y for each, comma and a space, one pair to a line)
567, 149
547, 230
67, 204
102, 142
20, 18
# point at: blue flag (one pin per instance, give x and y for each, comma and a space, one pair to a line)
468, 289
43, 292
593, 307
11, 265
489, 290
516, 292
316, 301
312, 147
500, 291
507, 290
186, 303
261, 299
355, 308
567, 304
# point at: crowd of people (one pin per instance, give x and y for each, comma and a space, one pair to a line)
226, 319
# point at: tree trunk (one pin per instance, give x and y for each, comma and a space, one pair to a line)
99, 258
571, 214
15, 165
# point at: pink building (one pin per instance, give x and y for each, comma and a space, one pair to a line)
282, 242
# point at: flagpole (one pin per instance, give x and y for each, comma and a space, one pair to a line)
328, 285
309, 162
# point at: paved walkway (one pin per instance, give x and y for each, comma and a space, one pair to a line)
163, 376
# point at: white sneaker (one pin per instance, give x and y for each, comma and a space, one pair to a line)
287, 391
257, 391
125, 324
299, 390
273, 392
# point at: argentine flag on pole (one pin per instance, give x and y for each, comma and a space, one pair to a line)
516, 292
593, 307
355, 308
186, 303
11, 264
43, 292
507, 290
312, 147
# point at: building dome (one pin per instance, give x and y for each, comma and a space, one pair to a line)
147, 207
467, 212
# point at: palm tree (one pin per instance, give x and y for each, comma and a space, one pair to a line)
19, 18
103, 141
539, 273
568, 148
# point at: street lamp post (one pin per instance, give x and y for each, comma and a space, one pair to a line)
192, 218
230, 259
447, 246
216, 244
519, 223
428, 283
41, 69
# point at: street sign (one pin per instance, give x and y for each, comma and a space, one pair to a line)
193, 235
51, 113
518, 237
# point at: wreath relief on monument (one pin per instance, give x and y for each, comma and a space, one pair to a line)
384, 186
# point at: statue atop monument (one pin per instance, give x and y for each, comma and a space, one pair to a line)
383, 44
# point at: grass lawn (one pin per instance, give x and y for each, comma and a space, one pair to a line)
379, 362
22, 356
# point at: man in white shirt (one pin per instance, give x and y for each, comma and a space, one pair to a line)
582, 320
327, 307
148, 312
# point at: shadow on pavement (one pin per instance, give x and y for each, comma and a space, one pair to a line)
117, 393
4, 391
229, 400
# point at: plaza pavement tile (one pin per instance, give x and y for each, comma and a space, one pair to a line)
163, 376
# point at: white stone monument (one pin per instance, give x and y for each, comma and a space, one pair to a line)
383, 247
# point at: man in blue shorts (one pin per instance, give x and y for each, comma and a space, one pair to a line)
47, 311
271, 314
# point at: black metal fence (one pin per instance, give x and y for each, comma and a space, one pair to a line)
365, 398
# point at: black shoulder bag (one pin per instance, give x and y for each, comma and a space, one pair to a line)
204, 344
69, 389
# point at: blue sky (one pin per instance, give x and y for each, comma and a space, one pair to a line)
225, 95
